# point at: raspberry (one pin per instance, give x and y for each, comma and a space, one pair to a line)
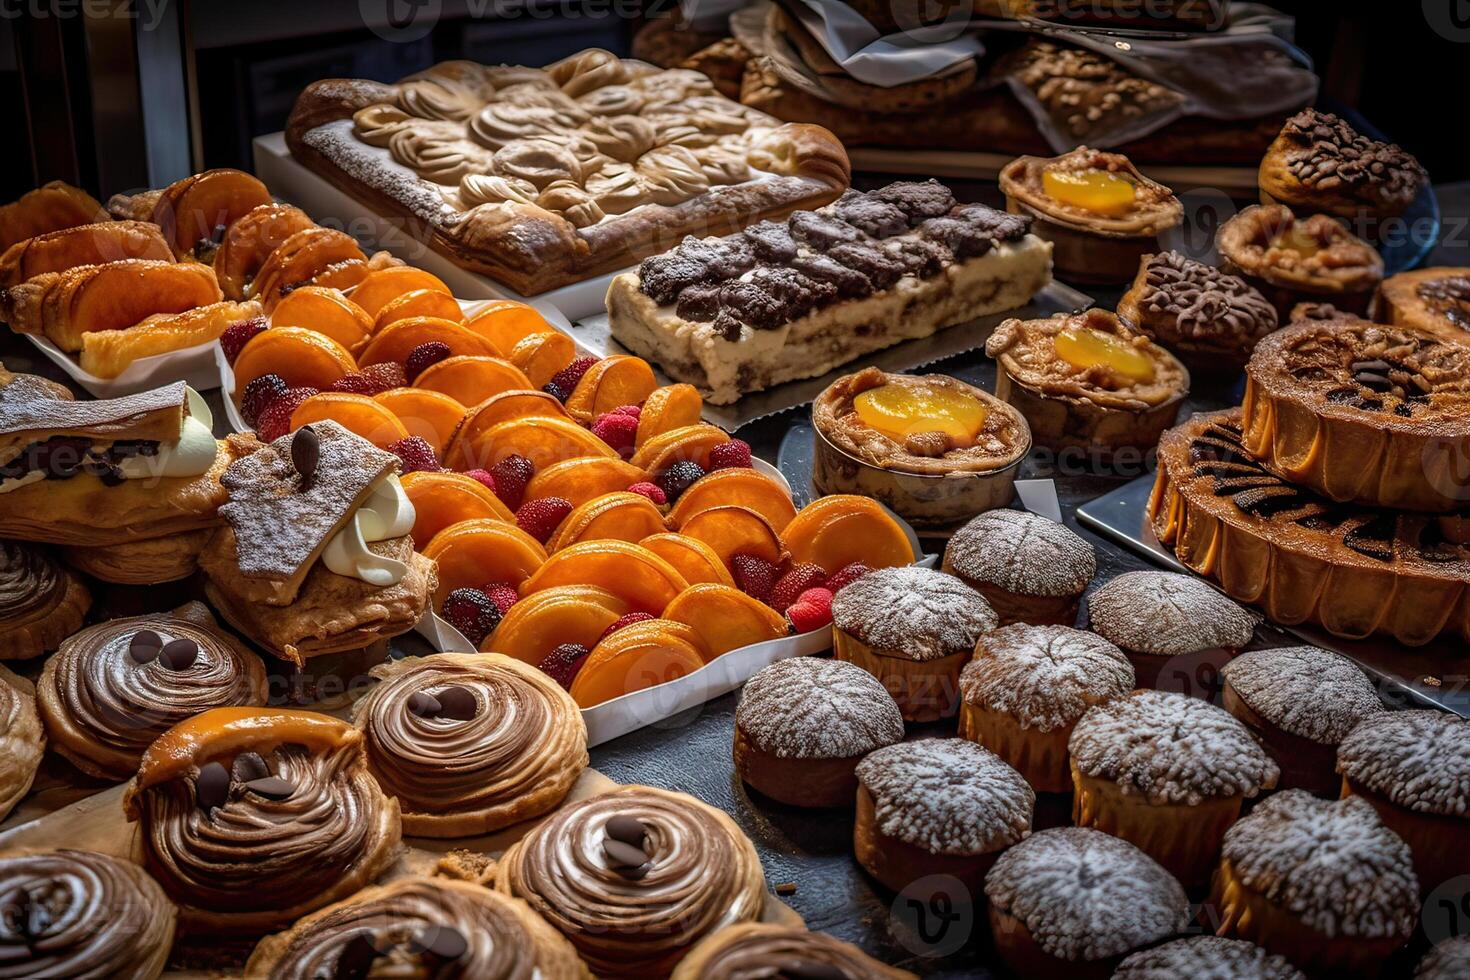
846, 575
627, 620
485, 477
634, 410
416, 454
356, 384
511, 475
754, 575
424, 355
566, 379
471, 612
237, 335
730, 455
678, 478
260, 393
557, 391
791, 585
385, 376
651, 491
274, 420
811, 611
563, 663
503, 594
618, 431
540, 518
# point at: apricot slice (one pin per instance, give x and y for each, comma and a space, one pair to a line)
441, 498
417, 303
326, 311
739, 487
731, 531
251, 240
470, 379
378, 288
668, 408
638, 657
542, 355
612, 382
582, 479
643, 579
355, 413
692, 442
312, 256
540, 623
543, 441
843, 528
505, 323
725, 618
476, 552
302, 358
620, 516
397, 340
504, 407
429, 414
694, 559
195, 207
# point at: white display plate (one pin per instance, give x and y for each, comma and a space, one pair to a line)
193, 365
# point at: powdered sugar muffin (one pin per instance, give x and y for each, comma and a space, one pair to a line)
1414, 767
914, 629
937, 806
1072, 902
1025, 690
1206, 958
804, 723
1177, 630
1031, 569
1300, 702
1324, 884
1168, 773
1450, 960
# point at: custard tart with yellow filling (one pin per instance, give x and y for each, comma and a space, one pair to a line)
1321, 164
1293, 260
1437, 300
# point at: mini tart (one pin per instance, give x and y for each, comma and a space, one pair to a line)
758, 949
697, 874
1091, 246
1211, 320
1207, 956
1294, 260
1168, 773
926, 478
1176, 630
106, 918
1325, 884
111, 689
420, 927
1027, 687
802, 726
1436, 300
1363, 413
1414, 767
1092, 409
913, 628
1319, 163
41, 601
1030, 569
1072, 902
22, 740
1354, 571
1300, 702
937, 806
470, 743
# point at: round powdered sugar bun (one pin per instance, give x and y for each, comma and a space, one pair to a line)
1420, 760
1450, 960
1086, 895
1307, 691
806, 708
1206, 958
1333, 864
1171, 749
947, 795
1168, 614
1023, 553
917, 612
1044, 677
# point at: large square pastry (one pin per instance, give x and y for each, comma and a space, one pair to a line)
544, 177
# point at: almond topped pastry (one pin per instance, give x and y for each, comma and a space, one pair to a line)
1320, 164
1293, 260
1436, 300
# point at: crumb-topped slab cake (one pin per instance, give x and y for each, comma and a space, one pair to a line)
795, 299
544, 177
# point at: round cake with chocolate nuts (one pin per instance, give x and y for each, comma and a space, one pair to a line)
1030, 569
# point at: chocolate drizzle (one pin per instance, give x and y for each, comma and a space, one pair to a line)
1202, 302
30, 580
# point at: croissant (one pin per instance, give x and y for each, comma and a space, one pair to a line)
251, 240
91, 244
311, 257
194, 213
49, 208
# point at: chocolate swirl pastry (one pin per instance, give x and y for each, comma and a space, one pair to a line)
1321, 163
22, 740
79, 914
416, 927
636, 876
762, 950
470, 743
41, 602
114, 687
250, 818
1205, 316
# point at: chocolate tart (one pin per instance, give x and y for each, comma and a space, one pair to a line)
1355, 571
1362, 413
926, 478
1437, 300
1091, 246
1321, 164
1293, 260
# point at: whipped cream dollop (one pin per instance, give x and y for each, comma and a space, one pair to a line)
194, 452
386, 514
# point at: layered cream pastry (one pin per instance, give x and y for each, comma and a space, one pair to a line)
795, 299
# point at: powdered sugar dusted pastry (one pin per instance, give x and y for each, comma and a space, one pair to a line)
1324, 884
1072, 902
1300, 702
41, 601
22, 741
1168, 773
1026, 689
1207, 958
1030, 569
1450, 960
937, 806
804, 723
759, 949
913, 628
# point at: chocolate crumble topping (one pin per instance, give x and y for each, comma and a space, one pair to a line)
870, 215
1203, 301
918, 200
820, 231
772, 241
1332, 155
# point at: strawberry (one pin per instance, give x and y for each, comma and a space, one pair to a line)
384, 376
566, 379
811, 611
485, 477
678, 478
626, 620
423, 356
846, 575
754, 576
471, 612
634, 410
356, 384
416, 455
503, 594
730, 455
258, 394
540, 518
511, 475
563, 663
651, 491
796, 581
237, 335
274, 420
618, 431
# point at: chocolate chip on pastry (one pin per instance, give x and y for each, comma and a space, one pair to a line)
764, 949
22, 739
41, 601
1321, 163
1211, 320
